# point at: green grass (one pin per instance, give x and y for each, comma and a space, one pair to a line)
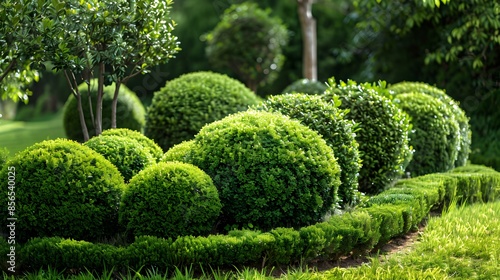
462, 244
17, 135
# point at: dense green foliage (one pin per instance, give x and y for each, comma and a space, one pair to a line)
181, 108
129, 113
62, 189
178, 152
458, 114
435, 135
170, 200
306, 86
148, 144
270, 170
338, 132
4, 154
382, 135
128, 155
248, 41
389, 214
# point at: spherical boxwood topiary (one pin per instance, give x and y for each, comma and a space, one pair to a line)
4, 153
130, 112
464, 147
435, 135
178, 152
382, 136
169, 200
62, 188
128, 155
148, 144
180, 109
270, 170
325, 118
306, 86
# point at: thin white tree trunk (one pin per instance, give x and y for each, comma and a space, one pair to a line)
308, 26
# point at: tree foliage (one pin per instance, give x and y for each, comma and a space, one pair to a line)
248, 41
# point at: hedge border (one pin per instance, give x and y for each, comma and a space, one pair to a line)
389, 214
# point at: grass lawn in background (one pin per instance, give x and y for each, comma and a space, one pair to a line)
17, 135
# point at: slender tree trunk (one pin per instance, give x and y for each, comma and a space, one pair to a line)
100, 92
7, 70
308, 26
114, 104
76, 92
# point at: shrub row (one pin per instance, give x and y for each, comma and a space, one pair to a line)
384, 216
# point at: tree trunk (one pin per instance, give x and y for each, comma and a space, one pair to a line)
308, 26
98, 107
74, 88
114, 104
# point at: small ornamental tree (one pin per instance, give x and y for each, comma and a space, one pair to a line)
249, 42
109, 40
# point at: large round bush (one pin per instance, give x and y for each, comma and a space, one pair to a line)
149, 145
382, 135
306, 86
270, 170
130, 112
62, 188
128, 155
435, 135
328, 120
464, 147
180, 109
169, 200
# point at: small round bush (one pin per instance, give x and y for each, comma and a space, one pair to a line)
148, 144
435, 135
382, 135
325, 118
128, 155
180, 109
271, 171
306, 86
169, 200
178, 152
464, 147
62, 188
130, 112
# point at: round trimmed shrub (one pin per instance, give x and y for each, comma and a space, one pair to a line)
180, 109
169, 200
325, 118
65, 189
382, 135
435, 135
178, 152
149, 145
306, 86
271, 171
4, 154
130, 112
464, 147
128, 155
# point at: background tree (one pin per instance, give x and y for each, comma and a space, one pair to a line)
249, 42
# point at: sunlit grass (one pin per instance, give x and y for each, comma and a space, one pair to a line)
17, 135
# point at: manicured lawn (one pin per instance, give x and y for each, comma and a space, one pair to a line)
16, 135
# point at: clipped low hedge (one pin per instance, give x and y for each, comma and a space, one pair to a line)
391, 213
